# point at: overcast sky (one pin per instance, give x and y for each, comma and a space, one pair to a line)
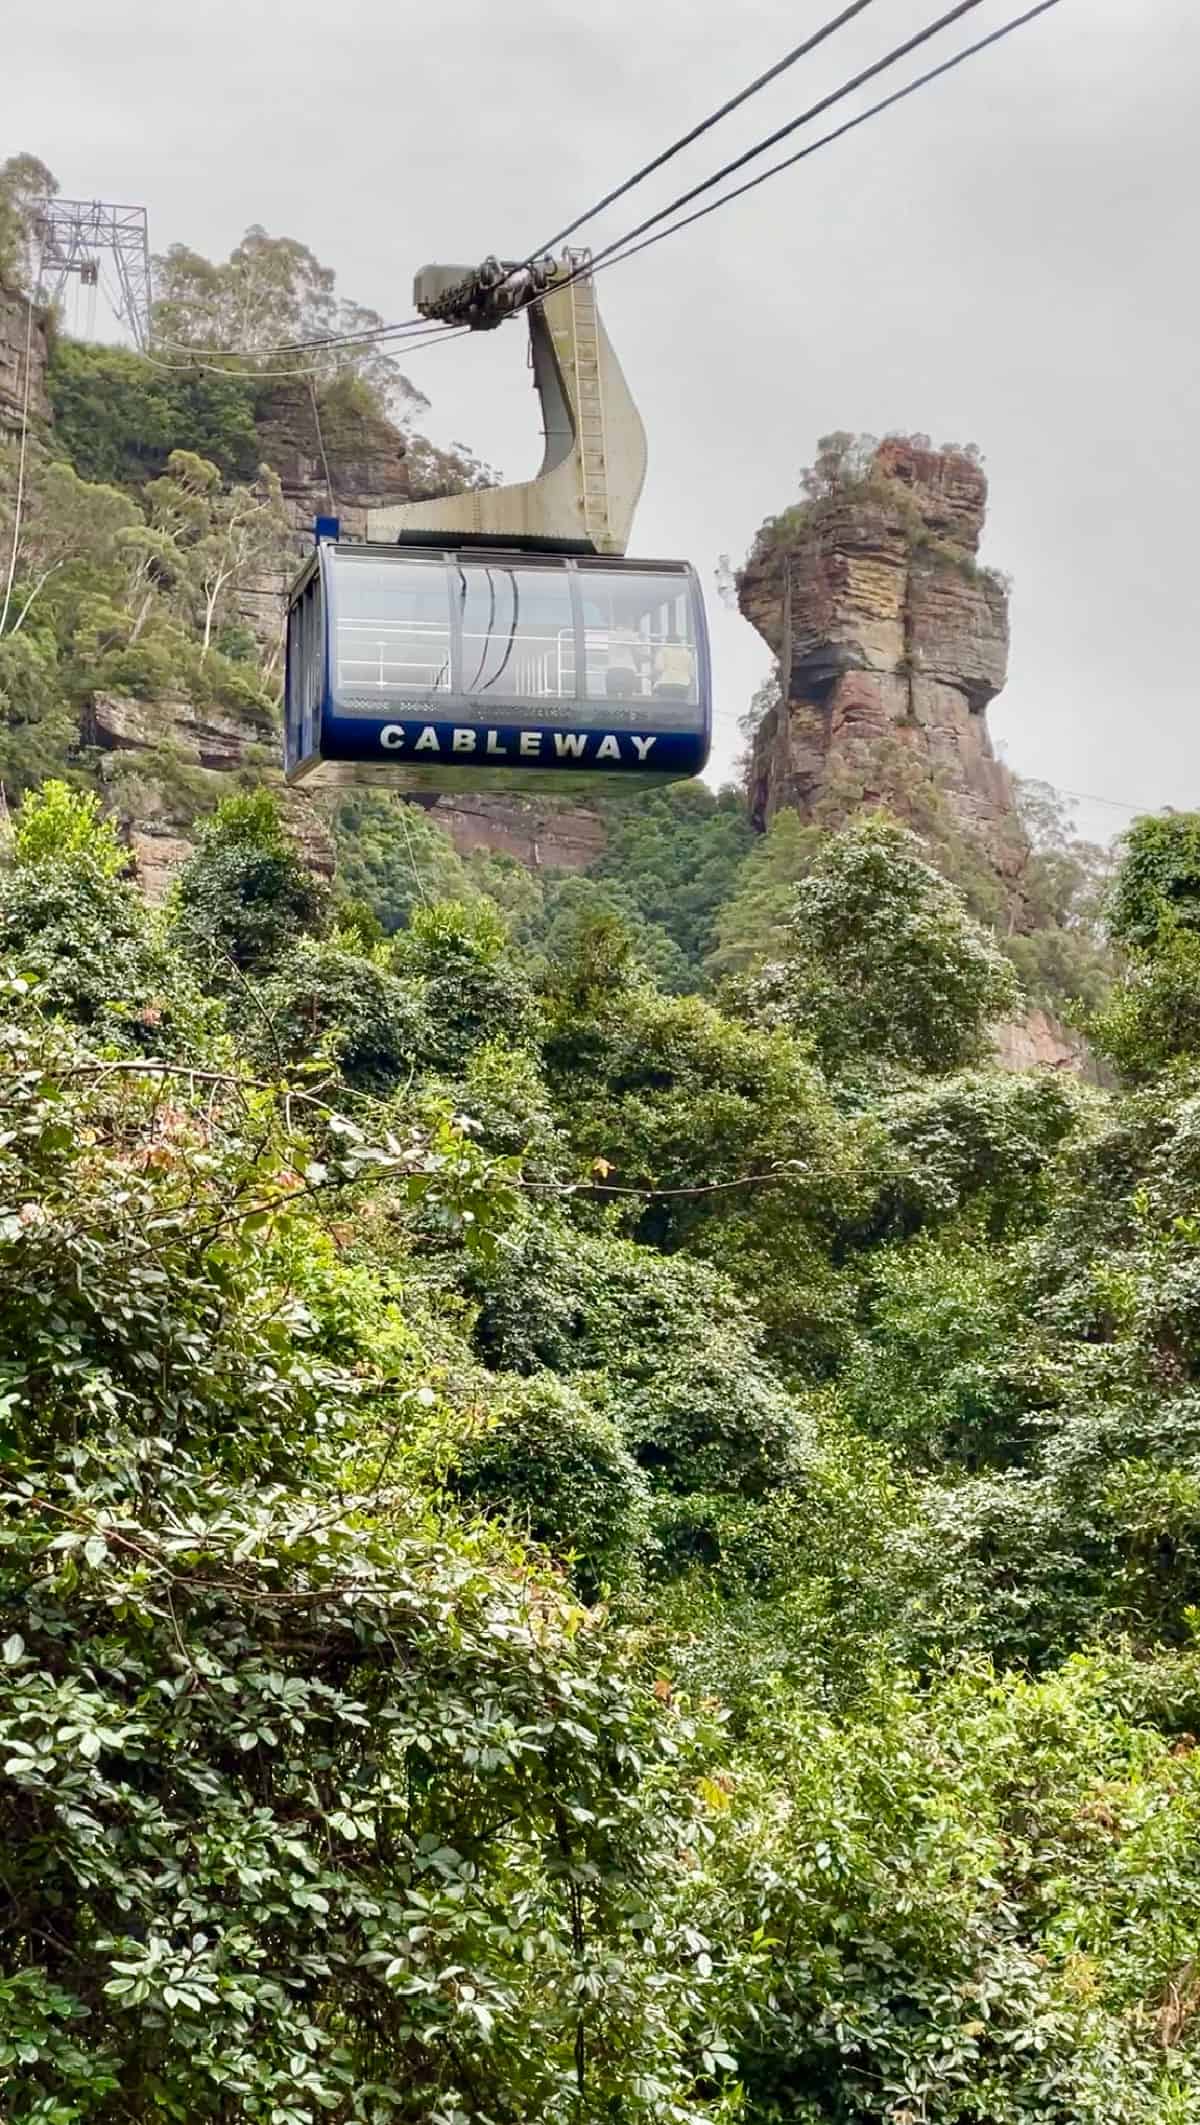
1009, 258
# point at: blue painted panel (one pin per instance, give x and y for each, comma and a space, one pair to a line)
424, 743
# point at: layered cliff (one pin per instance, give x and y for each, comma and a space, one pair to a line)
18, 330
891, 642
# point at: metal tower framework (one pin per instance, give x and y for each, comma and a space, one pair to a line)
72, 234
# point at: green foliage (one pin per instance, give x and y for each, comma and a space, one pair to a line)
672, 1096
322, 1003
314, 1800
37, 725
380, 1276
474, 993
270, 291
947, 1908
1157, 886
752, 924
674, 1354
24, 180
1060, 949
882, 962
61, 824
118, 418
557, 1467
1152, 1019
676, 852
713, 1419
573, 908
246, 895
981, 1143
76, 927
395, 856
929, 1373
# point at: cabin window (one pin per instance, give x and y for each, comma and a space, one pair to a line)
517, 630
393, 630
305, 670
639, 643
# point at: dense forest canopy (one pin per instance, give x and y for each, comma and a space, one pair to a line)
601, 1515
571, 1552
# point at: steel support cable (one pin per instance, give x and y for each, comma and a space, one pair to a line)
19, 506
624, 247
400, 331
312, 392
685, 140
858, 81
947, 66
428, 338
416, 325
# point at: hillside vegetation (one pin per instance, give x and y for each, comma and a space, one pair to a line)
569, 1553
601, 1517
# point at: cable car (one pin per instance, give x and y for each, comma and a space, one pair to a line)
429, 667
500, 639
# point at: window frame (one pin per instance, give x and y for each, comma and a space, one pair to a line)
456, 704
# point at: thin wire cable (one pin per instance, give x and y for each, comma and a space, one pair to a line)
880, 66
1116, 804
312, 392
411, 857
604, 259
415, 325
302, 346
18, 508
428, 338
685, 140
415, 329
411, 329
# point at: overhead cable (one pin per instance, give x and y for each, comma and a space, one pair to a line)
609, 257
19, 505
416, 332
815, 110
189, 368
408, 327
685, 140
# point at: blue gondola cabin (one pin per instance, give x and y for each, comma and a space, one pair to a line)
437, 667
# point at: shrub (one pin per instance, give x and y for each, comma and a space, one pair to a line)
322, 1001
556, 1466
882, 960
246, 894
474, 990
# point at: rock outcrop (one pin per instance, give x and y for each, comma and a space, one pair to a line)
553, 835
166, 763
1039, 1041
14, 329
332, 463
891, 642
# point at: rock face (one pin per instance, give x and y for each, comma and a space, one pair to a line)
208, 746
14, 325
202, 737
337, 465
1039, 1041
891, 642
542, 836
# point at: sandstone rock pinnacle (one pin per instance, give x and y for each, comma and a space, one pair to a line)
891, 642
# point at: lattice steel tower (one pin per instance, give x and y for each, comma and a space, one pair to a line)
70, 235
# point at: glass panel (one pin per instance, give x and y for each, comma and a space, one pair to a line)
312, 629
518, 634
639, 644
305, 667
393, 630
